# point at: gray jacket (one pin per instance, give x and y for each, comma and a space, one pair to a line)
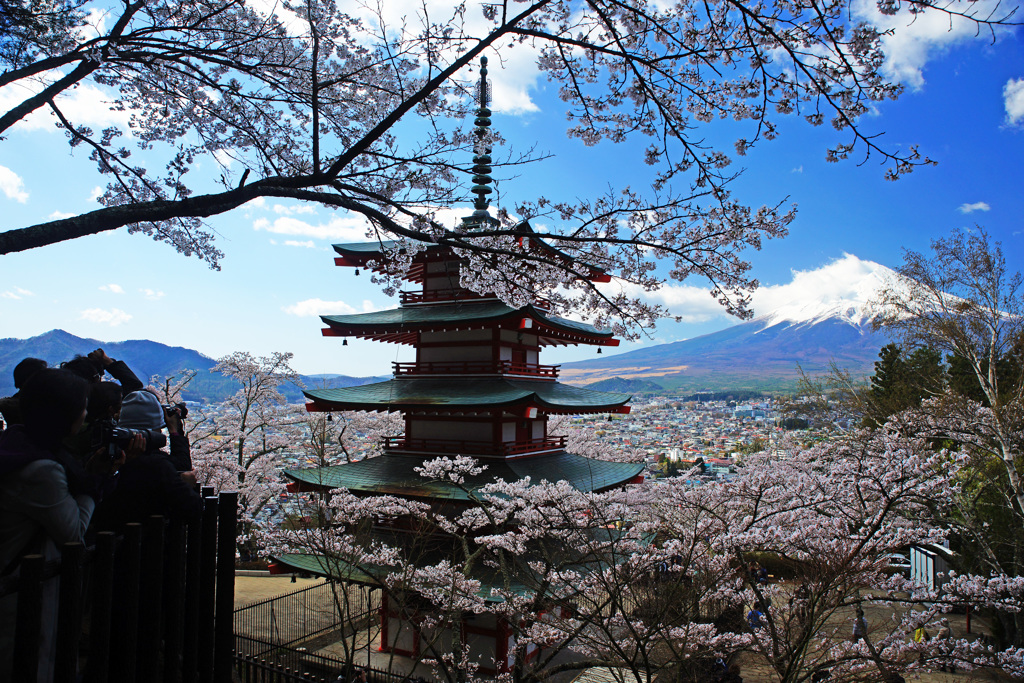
36, 499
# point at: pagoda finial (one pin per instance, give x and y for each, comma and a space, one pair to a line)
482, 148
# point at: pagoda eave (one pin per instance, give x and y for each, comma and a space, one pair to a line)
396, 474
410, 338
402, 325
457, 396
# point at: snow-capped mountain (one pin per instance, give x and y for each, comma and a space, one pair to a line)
842, 290
821, 317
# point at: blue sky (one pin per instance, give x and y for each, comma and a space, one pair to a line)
964, 106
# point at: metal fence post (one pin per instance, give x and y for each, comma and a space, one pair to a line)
69, 614
102, 582
225, 608
174, 594
129, 566
190, 630
30, 609
151, 582
207, 589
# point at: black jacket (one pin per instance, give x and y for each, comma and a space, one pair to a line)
147, 485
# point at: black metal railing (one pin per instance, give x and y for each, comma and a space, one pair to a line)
302, 615
158, 588
280, 664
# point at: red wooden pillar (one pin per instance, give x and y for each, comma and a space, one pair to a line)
503, 641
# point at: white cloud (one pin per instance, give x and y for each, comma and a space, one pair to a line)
282, 210
517, 76
16, 293
57, 215
914, 39
112, 288
12, 185
152, 294
85, 105
692, 304
223, 158
512, 76
113, 317
96, 193
308, 244
798, 169
258, 203
846, 278
1013, 99
971, 208
347, 228
314, 307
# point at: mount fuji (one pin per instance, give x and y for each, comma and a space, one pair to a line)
821, 317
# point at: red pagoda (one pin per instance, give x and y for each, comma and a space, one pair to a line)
477, 389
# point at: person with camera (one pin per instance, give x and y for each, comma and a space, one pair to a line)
151, 481
93, 366
47, 496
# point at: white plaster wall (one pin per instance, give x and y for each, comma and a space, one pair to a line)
443, 429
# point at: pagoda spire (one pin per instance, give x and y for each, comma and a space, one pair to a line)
482, 158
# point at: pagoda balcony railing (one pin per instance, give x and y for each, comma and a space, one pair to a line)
449, 294
455, 294
465, 447
502, 367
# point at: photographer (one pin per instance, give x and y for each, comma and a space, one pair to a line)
92, 367
46, 496
150, 482
10, 406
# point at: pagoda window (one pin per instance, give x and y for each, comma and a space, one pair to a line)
452, 354
518, 338
443, 281
448, 267
460, 335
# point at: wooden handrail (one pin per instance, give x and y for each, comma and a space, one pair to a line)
467, 447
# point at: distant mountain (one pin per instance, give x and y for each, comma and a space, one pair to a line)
810, 330
627, 386
147, 359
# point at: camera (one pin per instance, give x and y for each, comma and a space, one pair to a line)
110, 438
180, 408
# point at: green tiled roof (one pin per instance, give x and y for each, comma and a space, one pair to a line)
396, 394
364, 247
337, 569
394, 474
426, 316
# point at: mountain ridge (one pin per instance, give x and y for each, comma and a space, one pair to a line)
147, 359
802, 334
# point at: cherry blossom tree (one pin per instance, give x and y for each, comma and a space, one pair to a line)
238, 445
347, 436
962, 302
655, 579
586, 442
303, 102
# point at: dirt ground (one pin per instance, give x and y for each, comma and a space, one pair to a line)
250, 589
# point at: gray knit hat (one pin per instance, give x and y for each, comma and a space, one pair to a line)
141, 410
